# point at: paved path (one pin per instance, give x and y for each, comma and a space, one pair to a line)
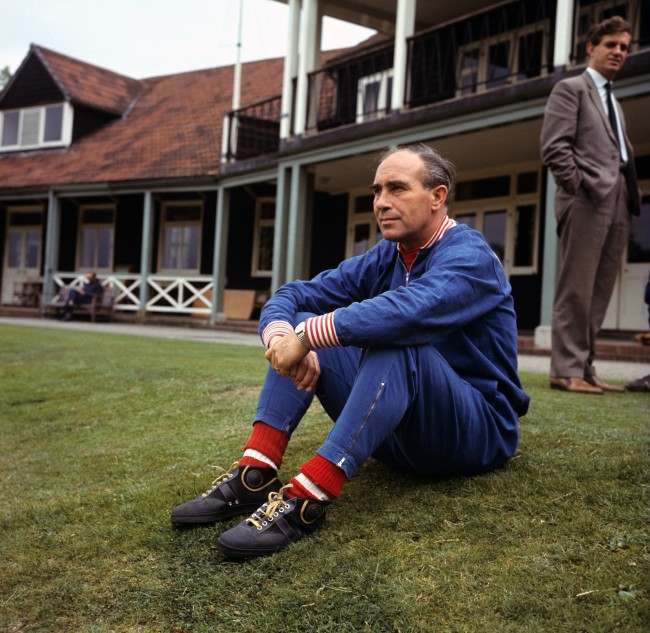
538, 364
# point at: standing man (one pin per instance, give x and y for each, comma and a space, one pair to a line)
585, 145
411, 349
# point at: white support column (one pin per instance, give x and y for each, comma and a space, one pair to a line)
549, 270
280, 229
563, 32
308, 47
404, 28
146, 250
220, 251
290, 68
561, 57
52, 232
296, 228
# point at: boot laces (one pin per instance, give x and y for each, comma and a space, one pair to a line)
225, 476
272, 509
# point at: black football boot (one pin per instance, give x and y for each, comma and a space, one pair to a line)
236, 492
272, 527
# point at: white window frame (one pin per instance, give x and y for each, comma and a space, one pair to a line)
382, 99
66, 128
161, 237
259, 224
355, 219
593, 11
480, 206
81, 224
513, 38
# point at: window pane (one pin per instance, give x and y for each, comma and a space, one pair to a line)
104, 247
32, 247
53, 123
498, 66
88, 246
25, 219
371, 97
98, 216
15, 247
530, 55
527, 182
10, 128
267, 211
178, 214
172, 245
363, 204
467, 218
29, 134
191, 247
265, 255
525, 235
469, 71
483, 188
361, 239
638, 251
494, 229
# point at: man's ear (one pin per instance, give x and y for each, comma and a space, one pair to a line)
439, 197
590, 48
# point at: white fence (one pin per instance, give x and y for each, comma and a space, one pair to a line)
170, 294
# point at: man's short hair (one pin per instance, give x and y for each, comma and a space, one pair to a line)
615, 24
437, 169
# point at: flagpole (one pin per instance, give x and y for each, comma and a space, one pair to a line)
236, 85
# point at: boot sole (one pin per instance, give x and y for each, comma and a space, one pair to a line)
210, 519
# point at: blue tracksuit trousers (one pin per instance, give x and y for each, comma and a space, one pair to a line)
405, 406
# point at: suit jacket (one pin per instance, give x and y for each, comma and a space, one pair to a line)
581, 149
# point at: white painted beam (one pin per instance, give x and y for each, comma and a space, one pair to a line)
146, 249
308, 47
51, 246
290, 68
563, 32
404, 28
221, 224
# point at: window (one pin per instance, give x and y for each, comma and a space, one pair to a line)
96, 229
503, 59
181, 237
505, 208
262, 264
363, 232
30, 128
374, 95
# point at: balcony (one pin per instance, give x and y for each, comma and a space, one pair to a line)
486, 52
253, 130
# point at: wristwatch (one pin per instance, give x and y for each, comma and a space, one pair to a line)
301, 334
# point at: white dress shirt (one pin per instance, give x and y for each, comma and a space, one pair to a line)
601, 82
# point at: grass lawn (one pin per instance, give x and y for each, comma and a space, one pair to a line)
100, 435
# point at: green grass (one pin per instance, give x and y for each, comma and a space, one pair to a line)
100, 435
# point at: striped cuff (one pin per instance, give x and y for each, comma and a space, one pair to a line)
321, 331
275, 328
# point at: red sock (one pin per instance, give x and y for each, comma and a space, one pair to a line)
268, 441
320, 472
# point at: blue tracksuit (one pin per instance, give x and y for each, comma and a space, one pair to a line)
427, 378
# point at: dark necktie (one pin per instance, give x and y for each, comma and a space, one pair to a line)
611, 114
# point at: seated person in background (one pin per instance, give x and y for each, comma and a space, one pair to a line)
90, 288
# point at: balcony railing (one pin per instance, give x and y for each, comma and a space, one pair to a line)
502, 46
350, 92
253, 130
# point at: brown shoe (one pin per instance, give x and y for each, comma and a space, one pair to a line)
575, 385
605, 386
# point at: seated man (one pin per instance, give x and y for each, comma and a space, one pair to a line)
90, 288
411, 349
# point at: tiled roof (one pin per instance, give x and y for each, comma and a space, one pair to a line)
171, 130
89, 84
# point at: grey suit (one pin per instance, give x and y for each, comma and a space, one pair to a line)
592, 208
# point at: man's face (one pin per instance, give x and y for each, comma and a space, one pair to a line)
608, 56
405, 210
